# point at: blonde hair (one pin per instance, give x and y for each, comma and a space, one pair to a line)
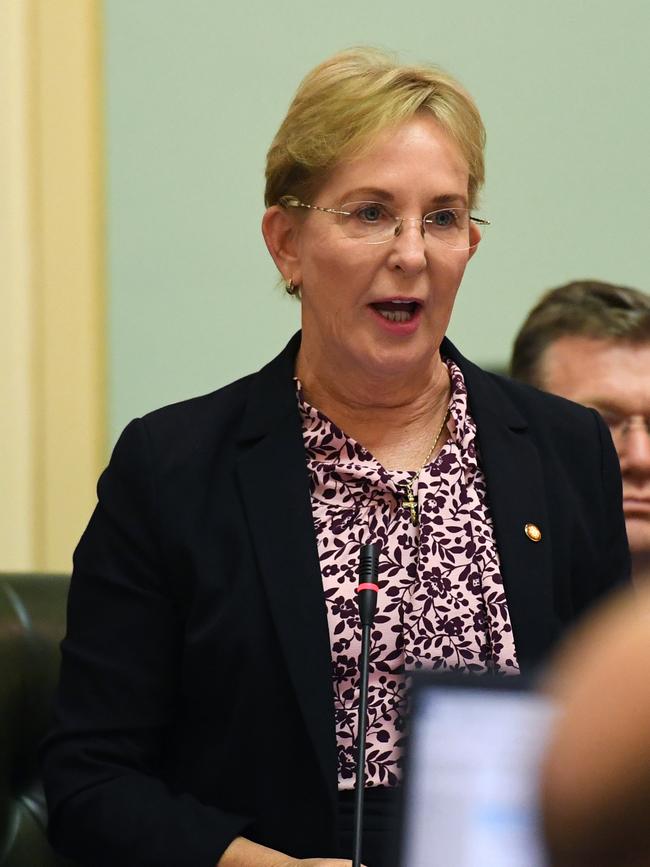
344, 103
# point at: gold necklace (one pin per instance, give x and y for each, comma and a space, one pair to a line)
409, 494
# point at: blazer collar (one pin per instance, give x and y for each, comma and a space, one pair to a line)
272, 394
487, 397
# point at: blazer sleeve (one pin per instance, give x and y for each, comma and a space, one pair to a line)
102, 762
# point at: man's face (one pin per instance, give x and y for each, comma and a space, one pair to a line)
613, 378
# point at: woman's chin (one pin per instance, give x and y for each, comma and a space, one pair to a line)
397, 362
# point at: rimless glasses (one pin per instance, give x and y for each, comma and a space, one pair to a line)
375, 223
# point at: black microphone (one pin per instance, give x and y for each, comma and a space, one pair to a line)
367, 600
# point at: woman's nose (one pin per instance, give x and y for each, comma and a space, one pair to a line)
409, 245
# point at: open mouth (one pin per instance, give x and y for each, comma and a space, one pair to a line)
397, 311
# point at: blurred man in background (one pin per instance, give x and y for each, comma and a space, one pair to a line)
596, 776
590, 342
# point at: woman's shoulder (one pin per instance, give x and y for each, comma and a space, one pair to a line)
216, 409
185, 436
536, 404
215, 426
555, 424
519, 404
220, 412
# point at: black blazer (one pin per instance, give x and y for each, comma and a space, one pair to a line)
195, 700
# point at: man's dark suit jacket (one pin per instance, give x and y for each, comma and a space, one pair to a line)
196, 700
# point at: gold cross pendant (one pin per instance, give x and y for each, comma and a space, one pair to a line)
410, 503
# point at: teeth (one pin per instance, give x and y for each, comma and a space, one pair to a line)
396, 315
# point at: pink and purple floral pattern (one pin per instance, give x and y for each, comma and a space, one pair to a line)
441, 603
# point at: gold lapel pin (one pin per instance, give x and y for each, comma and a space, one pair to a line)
533, 532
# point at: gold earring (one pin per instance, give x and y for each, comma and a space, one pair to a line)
291, 288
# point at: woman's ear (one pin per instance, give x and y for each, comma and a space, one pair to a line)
280, 230
474, 238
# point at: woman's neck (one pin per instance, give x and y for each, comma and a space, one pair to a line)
395, 417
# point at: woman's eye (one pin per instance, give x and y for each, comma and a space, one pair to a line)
371, 213
442, 219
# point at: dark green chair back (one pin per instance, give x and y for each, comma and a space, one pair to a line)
32, 623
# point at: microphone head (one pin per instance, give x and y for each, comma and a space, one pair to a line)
368, 563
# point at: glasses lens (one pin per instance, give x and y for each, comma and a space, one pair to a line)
451, 226
371, 221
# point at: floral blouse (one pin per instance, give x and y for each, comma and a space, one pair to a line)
441, 602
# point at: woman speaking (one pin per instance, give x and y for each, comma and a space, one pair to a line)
207, 707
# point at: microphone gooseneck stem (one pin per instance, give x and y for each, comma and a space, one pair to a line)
367, 601
361, 747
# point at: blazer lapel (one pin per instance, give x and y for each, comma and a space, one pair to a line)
517, 496
275, 489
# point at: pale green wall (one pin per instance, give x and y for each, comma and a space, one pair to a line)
196, 89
